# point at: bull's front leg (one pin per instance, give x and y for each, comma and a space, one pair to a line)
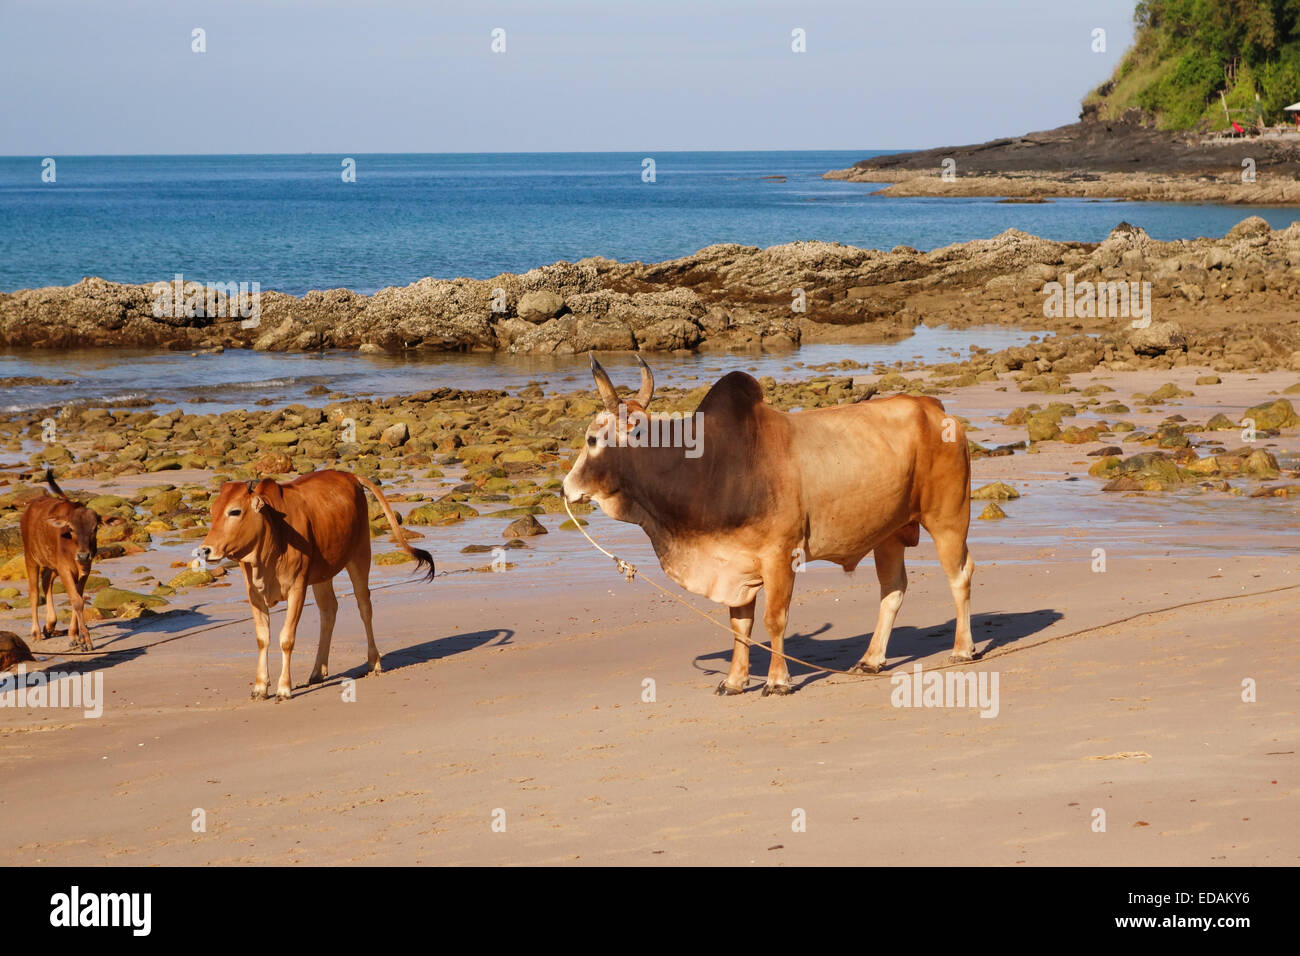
778, 582
284, 689
742, 623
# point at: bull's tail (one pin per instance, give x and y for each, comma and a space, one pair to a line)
423, 558
50, 483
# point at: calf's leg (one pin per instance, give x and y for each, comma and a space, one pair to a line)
78, 632
51, 615
262, 628
292, 613
359, 572
328, 605
35, 588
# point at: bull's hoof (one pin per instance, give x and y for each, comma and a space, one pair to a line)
726, 690
48, 632
283, 695
376, 668
960, 658
259, 693
316, 679
862, 667
780, 690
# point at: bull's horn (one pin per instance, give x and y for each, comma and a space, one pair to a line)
604, 386
647, 383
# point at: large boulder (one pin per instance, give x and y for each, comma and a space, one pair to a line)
1157, 339
539, 306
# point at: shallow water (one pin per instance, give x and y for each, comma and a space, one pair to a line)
240, 378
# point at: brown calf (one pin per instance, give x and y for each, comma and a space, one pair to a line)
59, 538
288, 536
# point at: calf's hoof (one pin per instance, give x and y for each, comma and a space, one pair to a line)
955, 658
862, 667
259, 693
316, 679
780, 690
376, 668
726, 690
283, 694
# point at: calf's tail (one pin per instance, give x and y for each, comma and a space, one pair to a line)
49, 483
423, 559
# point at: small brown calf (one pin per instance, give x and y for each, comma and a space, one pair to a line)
59, 538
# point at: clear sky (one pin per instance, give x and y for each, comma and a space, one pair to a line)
294, 76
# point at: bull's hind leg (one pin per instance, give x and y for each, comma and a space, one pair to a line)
359, 572
328, 605
742, 623
892, 575
960, 567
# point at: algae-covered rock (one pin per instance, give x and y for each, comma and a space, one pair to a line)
997, 491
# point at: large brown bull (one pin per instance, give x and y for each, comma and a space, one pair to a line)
764, 490
287, 537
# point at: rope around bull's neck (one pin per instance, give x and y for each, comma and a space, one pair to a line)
630, 572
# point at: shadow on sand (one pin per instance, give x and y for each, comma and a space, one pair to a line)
434, 650
906, 645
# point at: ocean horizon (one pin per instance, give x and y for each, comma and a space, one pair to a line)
292, 223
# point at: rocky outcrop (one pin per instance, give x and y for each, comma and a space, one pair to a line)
1228, 301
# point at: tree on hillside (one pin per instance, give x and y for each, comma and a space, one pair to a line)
1187, 53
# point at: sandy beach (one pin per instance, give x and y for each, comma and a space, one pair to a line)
512, 724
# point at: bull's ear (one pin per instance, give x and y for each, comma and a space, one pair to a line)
58, 523
258, 502
647, 391
604, 386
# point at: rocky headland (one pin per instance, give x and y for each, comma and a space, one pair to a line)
1124, 158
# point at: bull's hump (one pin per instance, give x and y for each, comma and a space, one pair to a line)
735, 392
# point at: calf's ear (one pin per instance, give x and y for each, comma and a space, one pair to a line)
268, 494
58, 523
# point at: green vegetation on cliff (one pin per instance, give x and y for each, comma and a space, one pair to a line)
1191, 57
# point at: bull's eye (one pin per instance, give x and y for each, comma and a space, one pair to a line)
591, 441
66, 534
234, 513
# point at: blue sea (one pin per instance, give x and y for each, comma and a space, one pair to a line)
292, 224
